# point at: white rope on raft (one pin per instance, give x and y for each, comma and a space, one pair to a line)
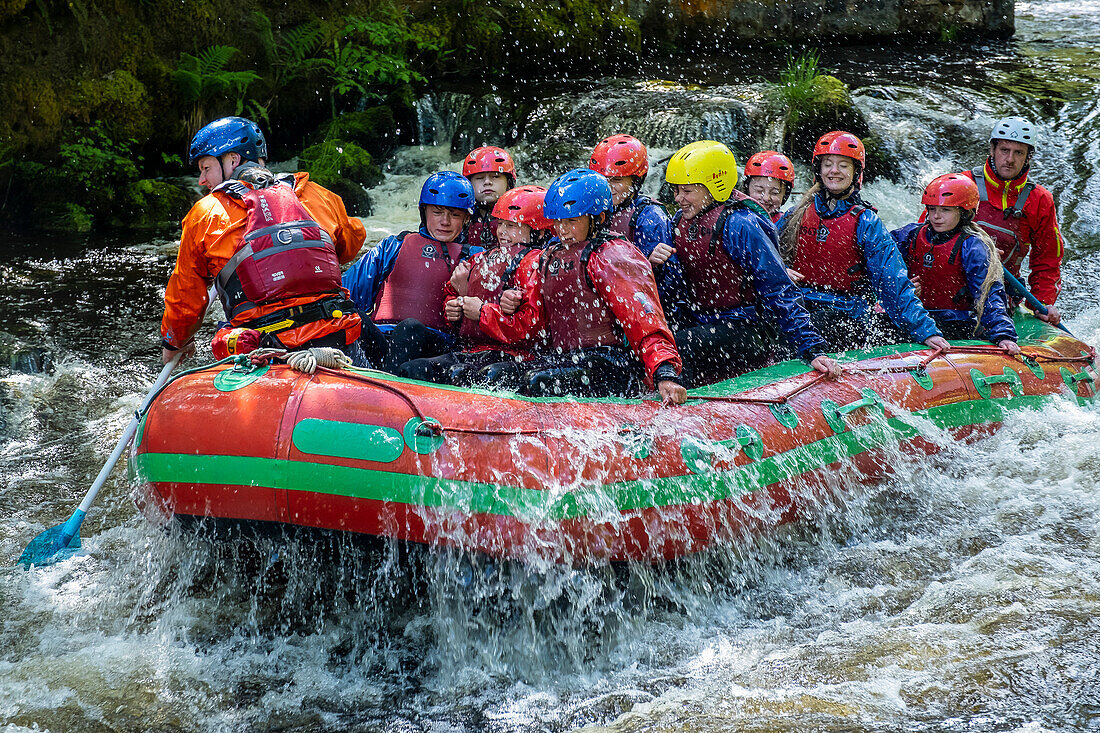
306, 360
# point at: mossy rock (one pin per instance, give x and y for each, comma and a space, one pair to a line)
119, 101
150, 204
356, 199
373, 129
63, 216
829, 108
333, 160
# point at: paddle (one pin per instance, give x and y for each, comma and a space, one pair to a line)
60, 542
1037, 305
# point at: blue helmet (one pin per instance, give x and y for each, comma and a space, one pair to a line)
229, 135
576, 193
448, 188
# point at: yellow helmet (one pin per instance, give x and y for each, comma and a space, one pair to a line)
708, 162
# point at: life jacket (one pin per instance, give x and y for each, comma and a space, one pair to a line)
493, 272
414, 287
1003, 225
625, 220
828, 255
715, 282
578, 317
777, 216
482, 230
283, 253
943, 284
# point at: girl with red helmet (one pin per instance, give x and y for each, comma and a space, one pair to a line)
475, 287
491, 172
640, 220
955, 266
769, 178
845, 260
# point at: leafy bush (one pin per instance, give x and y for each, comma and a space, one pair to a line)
204, 81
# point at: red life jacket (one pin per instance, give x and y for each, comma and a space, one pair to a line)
828, 255
939, 268
1003, 225
282, 253
492, 272
624, 220
777, 216
715, 282
414, 287
482, 231
578, 317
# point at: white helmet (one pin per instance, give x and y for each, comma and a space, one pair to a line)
1014, 129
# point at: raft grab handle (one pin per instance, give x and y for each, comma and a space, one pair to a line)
983, 383
835, 414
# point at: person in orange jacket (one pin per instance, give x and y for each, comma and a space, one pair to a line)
273, 245
589, 293
1019, 214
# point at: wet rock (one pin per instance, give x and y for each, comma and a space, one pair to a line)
31, 360
374, 130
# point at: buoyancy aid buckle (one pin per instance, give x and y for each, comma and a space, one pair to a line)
300, 315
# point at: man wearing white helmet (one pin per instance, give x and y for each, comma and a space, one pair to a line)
1019, 214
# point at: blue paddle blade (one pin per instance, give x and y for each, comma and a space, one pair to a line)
55, 544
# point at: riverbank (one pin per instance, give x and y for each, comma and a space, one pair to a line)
100, 106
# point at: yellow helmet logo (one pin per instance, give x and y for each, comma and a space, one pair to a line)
708, 162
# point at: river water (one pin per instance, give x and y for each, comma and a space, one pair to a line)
963, 594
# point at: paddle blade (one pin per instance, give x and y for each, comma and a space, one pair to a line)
55, 544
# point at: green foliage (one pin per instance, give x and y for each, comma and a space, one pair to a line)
334, 159
368, 57
797, 82
949, 32
92, 158
118, 100
204, 81
149, 203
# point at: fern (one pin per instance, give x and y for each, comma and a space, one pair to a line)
203, 80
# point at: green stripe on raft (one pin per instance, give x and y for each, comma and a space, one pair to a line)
554, 505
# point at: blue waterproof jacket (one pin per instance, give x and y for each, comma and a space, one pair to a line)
752, 243
652, 227
365, 277
996, 322
886, 269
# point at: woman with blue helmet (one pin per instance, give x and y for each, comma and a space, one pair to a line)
590, 292
400, 282
307, 306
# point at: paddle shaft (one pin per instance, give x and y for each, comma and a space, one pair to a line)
72, 527
1036, 304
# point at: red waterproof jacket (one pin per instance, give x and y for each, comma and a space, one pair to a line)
493, 271
1037, 229
212, 233
623, 277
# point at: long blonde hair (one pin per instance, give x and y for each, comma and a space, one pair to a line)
994, 273
788, 238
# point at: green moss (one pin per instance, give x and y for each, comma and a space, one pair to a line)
373, 130
149, 203
336, 159
118, 101
8, 8
63, 216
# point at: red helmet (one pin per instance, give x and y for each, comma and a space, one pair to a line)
523, 205
620, 155
840, 143
771, 165
489, 159
951, 189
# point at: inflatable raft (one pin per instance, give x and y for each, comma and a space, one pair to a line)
574, 480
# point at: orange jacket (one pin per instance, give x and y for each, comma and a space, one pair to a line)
1038, 227
212, 232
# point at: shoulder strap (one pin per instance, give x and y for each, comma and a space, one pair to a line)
979, 179
956, 247
232, 188
641, 204
1017, 209
719, 227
